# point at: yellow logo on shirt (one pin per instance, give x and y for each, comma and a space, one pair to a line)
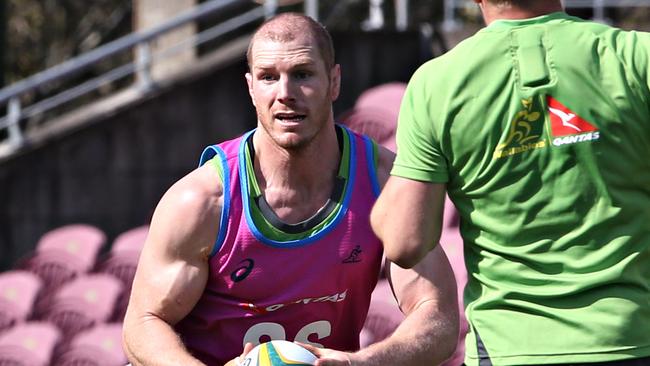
524, 133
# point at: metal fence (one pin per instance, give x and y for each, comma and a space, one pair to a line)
145, 58
141, 65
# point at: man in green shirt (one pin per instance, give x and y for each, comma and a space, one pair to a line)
538, 127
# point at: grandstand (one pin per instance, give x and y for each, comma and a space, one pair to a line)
107, 161
74, 227
79, 186
64, 303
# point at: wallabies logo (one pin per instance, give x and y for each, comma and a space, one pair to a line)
525, 132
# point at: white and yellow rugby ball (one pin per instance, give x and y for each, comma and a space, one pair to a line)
278, 353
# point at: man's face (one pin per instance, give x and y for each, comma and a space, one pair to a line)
291, 89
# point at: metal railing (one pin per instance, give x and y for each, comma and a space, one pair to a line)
141, 66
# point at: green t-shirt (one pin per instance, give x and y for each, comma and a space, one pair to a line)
540, 128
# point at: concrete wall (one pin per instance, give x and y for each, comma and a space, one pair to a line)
112, 171
150, 13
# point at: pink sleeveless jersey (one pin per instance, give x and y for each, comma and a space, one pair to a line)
315, 290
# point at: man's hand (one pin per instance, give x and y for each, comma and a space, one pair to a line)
328, 357
237, 360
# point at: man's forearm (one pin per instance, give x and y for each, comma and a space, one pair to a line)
154, 342
425, 337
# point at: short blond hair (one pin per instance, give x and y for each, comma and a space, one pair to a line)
286, 27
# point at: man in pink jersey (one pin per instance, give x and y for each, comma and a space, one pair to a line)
270, 237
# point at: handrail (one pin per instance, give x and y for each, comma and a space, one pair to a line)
130, 68
83, 62
11, 95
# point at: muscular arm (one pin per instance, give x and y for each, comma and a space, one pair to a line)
407, 217
426, 294
173, 269
428, 335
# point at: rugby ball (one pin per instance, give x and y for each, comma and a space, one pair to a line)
278, 353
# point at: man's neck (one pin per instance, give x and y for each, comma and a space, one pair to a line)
493, 12
296, 183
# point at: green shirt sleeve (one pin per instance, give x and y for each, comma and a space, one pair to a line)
419, 156
634, 48
642, 58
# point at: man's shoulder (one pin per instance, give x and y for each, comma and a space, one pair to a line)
454, 62
186, 214
229, 147
199, 189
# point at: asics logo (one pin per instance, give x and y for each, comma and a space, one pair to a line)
241, 272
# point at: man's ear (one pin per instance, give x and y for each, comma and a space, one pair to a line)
249, 81
335, 82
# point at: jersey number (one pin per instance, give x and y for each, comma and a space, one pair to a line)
321, 329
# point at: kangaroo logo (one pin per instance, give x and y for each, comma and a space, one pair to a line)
567, 127
565, 118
